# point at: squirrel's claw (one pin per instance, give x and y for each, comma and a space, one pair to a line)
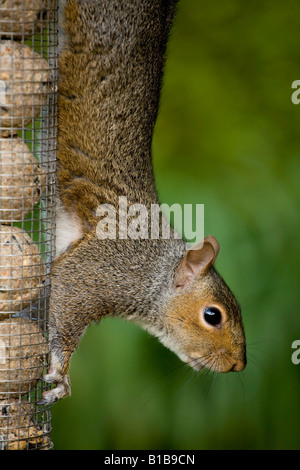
62, 389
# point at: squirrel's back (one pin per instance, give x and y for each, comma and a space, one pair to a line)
110, 79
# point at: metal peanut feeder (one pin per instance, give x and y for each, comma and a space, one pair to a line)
28, 117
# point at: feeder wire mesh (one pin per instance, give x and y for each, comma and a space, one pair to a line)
28, 123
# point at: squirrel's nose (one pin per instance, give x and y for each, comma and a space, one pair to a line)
239, 365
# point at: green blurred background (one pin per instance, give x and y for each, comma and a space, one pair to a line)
227, 136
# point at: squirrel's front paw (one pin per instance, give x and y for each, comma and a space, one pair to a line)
62, 389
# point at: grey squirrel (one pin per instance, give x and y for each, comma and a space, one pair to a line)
111, 68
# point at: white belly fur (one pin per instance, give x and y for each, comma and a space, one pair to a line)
68, 229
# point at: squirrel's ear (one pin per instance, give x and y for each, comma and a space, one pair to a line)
196, 261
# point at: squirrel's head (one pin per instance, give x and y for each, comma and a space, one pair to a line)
202, 321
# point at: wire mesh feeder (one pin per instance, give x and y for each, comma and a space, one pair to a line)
28, 113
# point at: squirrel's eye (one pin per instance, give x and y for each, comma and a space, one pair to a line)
212, 316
